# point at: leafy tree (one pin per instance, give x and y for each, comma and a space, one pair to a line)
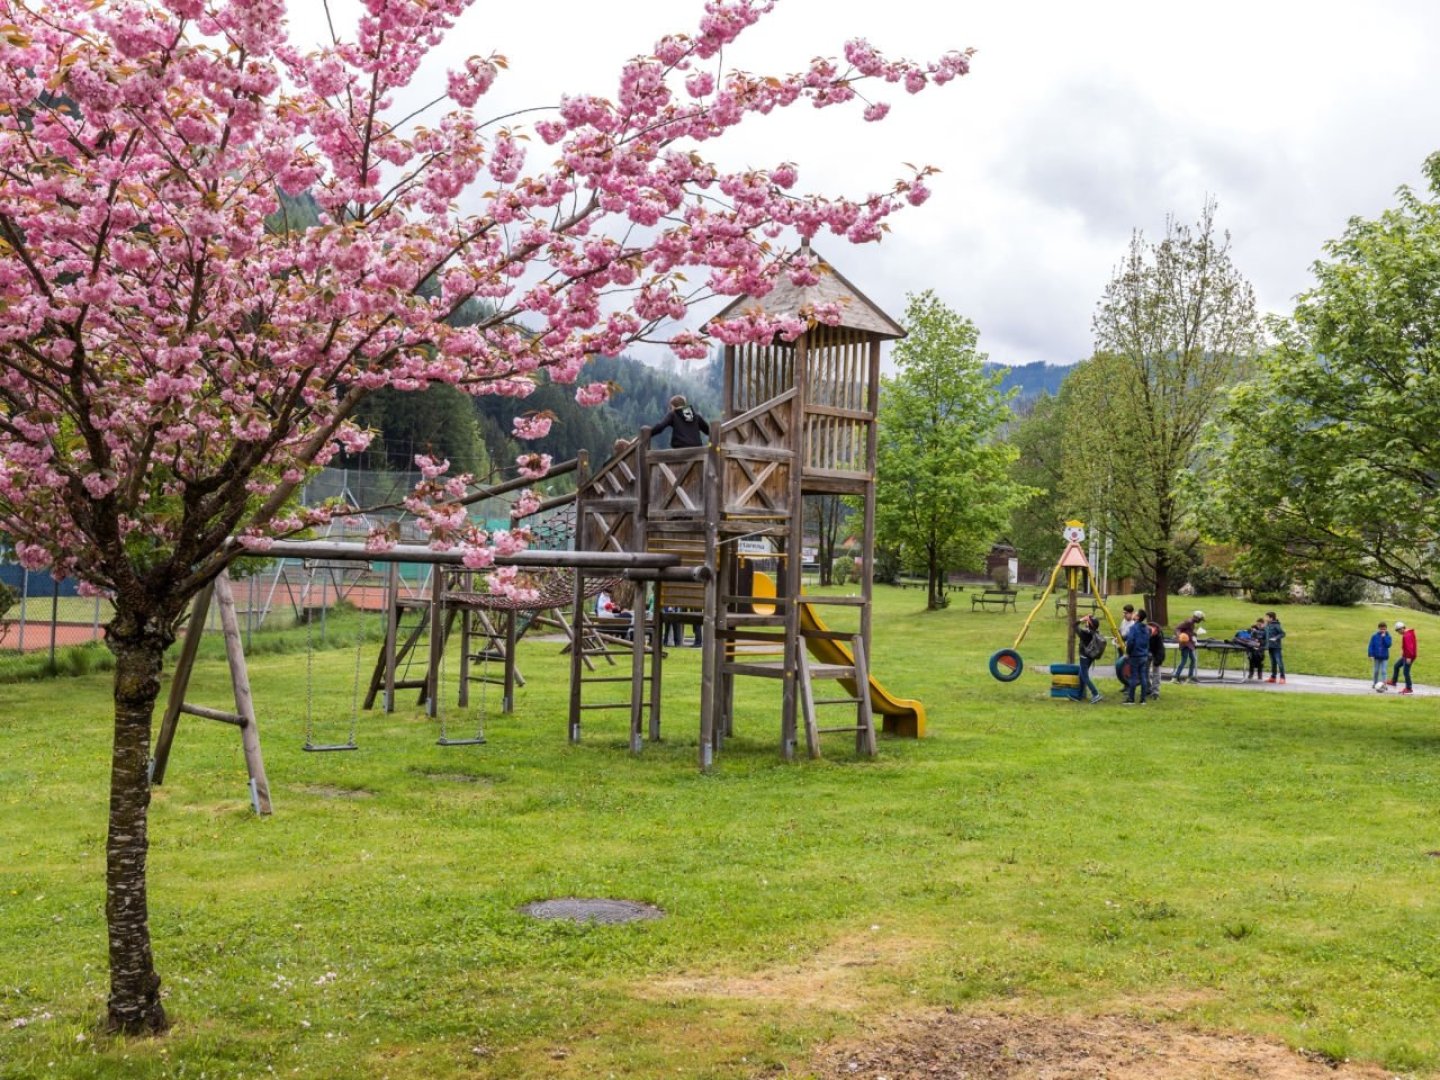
1039, 438
1175, 329
827, 516
172, 369
944, 490
1343, 415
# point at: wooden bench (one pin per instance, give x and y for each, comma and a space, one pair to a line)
993, 598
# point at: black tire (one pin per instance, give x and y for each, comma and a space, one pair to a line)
1006, 665
1122, 670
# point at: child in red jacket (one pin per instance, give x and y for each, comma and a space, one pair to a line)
1408, 653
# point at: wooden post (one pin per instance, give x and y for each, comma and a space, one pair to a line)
244, 704
437, 641
794, 536
392, 631
464, 697
867, 565
577, 614
508, 701
180, 682
710, 656
640, 532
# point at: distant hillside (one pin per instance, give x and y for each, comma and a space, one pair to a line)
1032, 380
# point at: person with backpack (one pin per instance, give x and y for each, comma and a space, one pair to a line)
1092, 648
1157, 656
1137, 651
1185, 639
1408, 652
684, 423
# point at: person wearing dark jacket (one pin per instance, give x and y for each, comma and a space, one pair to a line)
1137, 650
684, 424
1092, 645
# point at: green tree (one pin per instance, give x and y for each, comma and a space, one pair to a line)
1039, 440
1175, 329
944, 490
1345, 413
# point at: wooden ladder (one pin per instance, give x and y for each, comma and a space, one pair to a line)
856, 673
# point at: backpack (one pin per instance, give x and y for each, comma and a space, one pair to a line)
1095, 647
1157, 647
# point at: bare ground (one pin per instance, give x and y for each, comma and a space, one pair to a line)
992, 1045
981, 1046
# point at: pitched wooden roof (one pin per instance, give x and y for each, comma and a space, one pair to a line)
786, 298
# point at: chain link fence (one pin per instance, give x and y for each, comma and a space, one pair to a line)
45, 614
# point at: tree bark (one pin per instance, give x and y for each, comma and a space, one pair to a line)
1161, 615
134, 1006
936, 592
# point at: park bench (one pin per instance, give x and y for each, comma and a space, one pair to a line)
995, 598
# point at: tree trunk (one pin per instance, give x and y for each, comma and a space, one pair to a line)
1161, 613
134, 1007
932, 581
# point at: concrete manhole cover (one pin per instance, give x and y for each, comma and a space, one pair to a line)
593, 911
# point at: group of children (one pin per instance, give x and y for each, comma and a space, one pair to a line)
1143, 643
1263, 637
1380, 643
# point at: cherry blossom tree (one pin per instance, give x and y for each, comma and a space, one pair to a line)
180, 349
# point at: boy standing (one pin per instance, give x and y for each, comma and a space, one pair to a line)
1274, 635
1408, 652
1379, 657
1137, 650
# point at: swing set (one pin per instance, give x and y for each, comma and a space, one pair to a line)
1006, 665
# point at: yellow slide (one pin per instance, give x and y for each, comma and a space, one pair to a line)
903, 716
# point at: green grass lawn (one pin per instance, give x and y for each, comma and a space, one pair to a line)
1258, 862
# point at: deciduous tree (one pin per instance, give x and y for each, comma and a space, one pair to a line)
1340, 467
1175, 329
171, 369
944, 491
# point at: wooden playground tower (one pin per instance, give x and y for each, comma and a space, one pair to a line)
799, 419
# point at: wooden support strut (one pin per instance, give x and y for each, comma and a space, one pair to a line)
244, 715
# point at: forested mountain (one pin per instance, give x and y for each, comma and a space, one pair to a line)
1031, 380
642, 398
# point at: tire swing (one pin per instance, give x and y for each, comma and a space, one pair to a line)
1006, 665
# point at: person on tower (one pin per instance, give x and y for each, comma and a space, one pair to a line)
684, 424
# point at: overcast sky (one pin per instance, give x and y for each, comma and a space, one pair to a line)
1078, 123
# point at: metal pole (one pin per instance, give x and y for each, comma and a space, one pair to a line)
24, 592
54, 616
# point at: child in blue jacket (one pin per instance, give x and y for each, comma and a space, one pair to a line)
1379, 657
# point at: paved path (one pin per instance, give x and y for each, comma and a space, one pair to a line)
1313, 684
1294, 684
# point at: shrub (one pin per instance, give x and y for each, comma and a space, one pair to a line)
1339, 591
1000, 575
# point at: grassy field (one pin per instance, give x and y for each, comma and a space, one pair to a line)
1229, 860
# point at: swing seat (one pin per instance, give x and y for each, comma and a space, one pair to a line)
479, 740
325, 748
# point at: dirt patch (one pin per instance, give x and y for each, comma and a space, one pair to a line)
975, 1046
456, 777
834, 978
329, 791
